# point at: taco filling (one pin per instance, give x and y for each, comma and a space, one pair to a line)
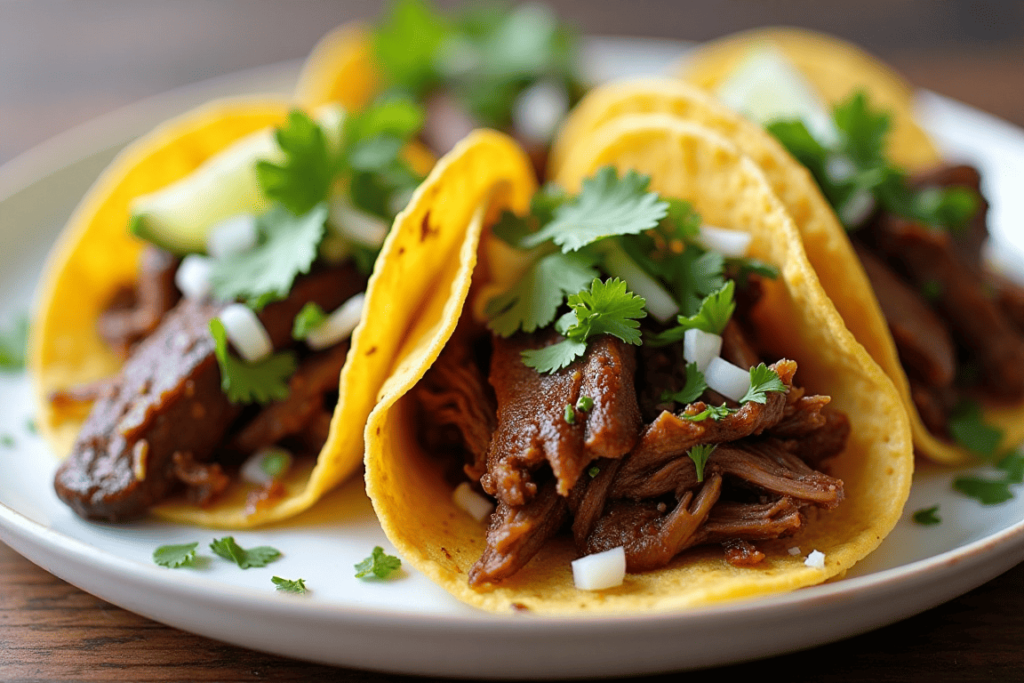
617, 390
958, 327
235, 333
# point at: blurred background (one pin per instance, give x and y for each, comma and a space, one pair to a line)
63, 62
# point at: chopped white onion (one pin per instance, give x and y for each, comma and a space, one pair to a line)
356, 225
265, 465
601, 570
338, 325
815, 560
659, 302
246, 333
795, 550
730, 243
231, 236
701, 347
839, 168
857, 208
727, 379
538, 111
471, 502
193, 276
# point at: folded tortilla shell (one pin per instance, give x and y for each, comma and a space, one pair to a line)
414, 503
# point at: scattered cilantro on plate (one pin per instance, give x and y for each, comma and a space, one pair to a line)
985, 491
7, 441
14, 344
378, 564
244, 382
260, 556
173, 556
968, 428
928, 516
289, 585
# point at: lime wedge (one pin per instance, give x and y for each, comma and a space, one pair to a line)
179, 217
766, 87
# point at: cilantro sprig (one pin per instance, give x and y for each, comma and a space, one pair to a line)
992, 491
244, 382
694, 386
289, 585
309, 318
854, 173
763, 381
968, 428
606, 308
379, 564
14, 344
228, 549
174, 556
715, 311
699, 454
928, 516
303, 179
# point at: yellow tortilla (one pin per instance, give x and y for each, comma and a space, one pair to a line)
825, 241
406, 484
835, 68
340, 69
96, 255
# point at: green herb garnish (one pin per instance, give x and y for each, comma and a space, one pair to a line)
378, 564
7, 441
968, 428
692, 390
927, 516
309, 318
594, 471
254, 557
244, 382
762, 380
302, 180
175, 555
14, 345
699, 454
569, 415
288, 585
584, 404
985, 491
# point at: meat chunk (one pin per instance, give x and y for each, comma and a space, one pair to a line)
532, 428
135, 312
167, 399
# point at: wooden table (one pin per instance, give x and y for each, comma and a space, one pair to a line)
62, 63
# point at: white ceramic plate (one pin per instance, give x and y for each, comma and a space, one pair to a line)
409, 625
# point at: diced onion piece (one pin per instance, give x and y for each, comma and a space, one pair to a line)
857, 208
795, 550
193, 276
246, 333
235, 235
701, 347
659, 302
727, 379
338, 325
730, 243
265, 465
538, 110
839, 168
355, 225
600, 570
471, 502
815, 560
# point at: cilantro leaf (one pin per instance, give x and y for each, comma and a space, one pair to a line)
532, 302
569, 415
7, 441
716, 413
607, 308
260, 556
373, 138
1013, 465
554, 357
863, 131
699, 454
309, 318
584, 404
715, 311
175, 555
266, 272
303, 178
762, 380
927, 516
606, 206
406, 44
968, 428
244, 382
378, 564
692, 390
288, 585
14, 345
985, 491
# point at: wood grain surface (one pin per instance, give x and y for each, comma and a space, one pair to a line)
62, 63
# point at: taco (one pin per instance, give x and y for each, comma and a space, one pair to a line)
523, 387
191, 350
911, 285
510, 68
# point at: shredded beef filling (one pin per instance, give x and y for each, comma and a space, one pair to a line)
958, 329
614, 479
156, 426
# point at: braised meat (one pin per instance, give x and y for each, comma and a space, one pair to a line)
167, 400
136, 311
